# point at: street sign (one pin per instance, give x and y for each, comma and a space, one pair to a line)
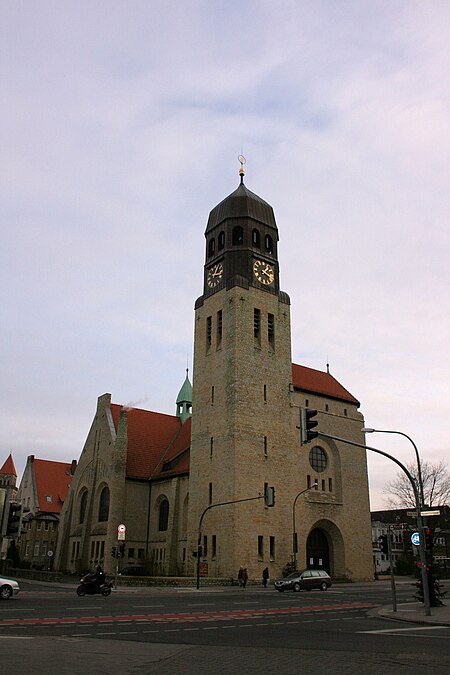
415, 538
50, 553
121, 536
431, 512
121, 528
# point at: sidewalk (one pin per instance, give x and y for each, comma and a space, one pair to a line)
415, 612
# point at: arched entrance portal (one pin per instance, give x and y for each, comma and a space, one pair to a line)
317, 550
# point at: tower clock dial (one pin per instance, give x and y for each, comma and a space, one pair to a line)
263, 272
215, 274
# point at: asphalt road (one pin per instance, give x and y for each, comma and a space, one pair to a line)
48, 629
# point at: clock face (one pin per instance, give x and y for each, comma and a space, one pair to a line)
263, 272
215, 274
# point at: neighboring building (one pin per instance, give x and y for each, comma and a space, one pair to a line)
8, 491
42, 492
158, 473
400, 525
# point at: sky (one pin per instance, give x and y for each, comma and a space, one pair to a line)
121, 124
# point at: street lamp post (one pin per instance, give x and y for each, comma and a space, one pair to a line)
294, 532
370, 430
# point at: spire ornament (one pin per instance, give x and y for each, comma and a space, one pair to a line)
242, 161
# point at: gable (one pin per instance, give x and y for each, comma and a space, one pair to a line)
319, 382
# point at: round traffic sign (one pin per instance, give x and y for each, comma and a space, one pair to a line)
415, 538
121, 528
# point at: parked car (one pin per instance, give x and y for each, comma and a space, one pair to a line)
8, 588
306, 580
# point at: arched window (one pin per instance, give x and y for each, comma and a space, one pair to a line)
256, 238
211, 247
268, 243
83, 504
103, 505
221, 241
163, 515
238, 235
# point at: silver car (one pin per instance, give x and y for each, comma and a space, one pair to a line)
306, 580
8, 588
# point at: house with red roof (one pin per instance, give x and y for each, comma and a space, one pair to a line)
42, 492
145, 479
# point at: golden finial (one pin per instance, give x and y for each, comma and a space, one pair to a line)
242, 160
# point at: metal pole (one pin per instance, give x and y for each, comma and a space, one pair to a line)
419, 466
391, 567
423, 562
294, 533
199, 540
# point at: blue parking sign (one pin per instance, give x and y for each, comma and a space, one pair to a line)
415, 539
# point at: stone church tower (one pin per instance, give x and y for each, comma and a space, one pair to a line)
246, 413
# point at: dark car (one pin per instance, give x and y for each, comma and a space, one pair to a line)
306, 580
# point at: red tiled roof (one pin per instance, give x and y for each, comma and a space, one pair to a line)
8, 467
52, 480
149, 435
177, 455
319, 382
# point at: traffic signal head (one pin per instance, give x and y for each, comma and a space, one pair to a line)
429, 538
269, 496
383, 541
121, 549
113, 551
307, 422
14, 517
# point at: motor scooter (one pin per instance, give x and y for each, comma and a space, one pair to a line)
90, 586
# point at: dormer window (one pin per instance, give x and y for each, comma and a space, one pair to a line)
48, 499
238, 236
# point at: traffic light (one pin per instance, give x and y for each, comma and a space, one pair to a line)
269, 496
121, 549
429, 538
113, 551
306, 424
14, 518
383, 541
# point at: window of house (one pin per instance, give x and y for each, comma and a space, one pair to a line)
205, 546
208, 331
211, 247
268, 244
131, 552
213, 547
271, 328
44, 548
265, 393
48, 499
36, 550
221, 241
212, 395
103, 506
27, 549
256, 238
257, 324
272, 548
140, 553
210, 493
330, 484
260, 547
219, 327
163, 515
265, 446
318, 459
211, 448
237, 236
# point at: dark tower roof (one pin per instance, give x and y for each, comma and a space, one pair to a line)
242, 203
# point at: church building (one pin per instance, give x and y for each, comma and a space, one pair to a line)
170, 478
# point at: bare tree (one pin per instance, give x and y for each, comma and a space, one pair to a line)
436, 486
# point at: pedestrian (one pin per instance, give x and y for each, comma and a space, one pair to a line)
244, 577
240, 573
265, 578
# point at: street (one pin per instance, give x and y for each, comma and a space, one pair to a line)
48, 628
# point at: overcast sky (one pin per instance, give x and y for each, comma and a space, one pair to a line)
121, 123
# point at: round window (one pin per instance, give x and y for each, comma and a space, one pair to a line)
318, 459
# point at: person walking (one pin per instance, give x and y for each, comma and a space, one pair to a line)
240, 573
265, 577
244, 577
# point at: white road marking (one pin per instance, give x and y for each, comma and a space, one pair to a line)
401, 630
16, 637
